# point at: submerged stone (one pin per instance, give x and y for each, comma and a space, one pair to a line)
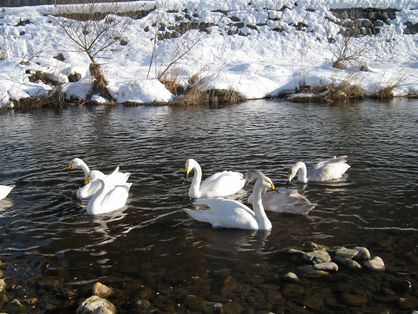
2, 285
291, 277
375, 264
347, 262
314, 302
309, 271
328, 266
96, 305
354, 299
318, 256
363, 253
101, 290
344, 252
292, 290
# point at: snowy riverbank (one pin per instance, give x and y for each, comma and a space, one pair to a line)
257, 48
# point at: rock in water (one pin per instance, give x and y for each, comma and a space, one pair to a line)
329, 266
101, 290
375, 264
347, 262
363, 253
291, 277
344, 252
96, 305
2, 285
318, 256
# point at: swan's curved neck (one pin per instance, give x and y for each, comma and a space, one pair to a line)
302, 173
260, 215
97, 199
194, 190
84, 167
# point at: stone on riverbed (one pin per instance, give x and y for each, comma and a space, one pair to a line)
347, 262
317, 256
363, 253
309, 271
96, 305
328, 266
375, 264
291, 277
2, 285
344, 252
101, 290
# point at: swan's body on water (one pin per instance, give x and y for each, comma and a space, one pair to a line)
87, 191
225, 213
107, 198
323, 171
220, 184
286, 201
5, 190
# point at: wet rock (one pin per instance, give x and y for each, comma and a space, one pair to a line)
232, 307
196, 303
51, 282
143, 305
344, 286
101, 290
146, 293
217, 307
294, 251
354, 299
362, 253
292, 290
314, 302
32, 301
309, 245
17, 306
344, 252
400, 285
1, 274
230, 284
290, 277
375, 264
317, 256
2, 285
347, 262
328, 266
309, 271
96, 305
1, 264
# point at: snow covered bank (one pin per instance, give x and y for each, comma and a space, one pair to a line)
258, 48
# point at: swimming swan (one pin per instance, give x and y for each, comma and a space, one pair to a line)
286, 201
88, 190
219, 184
5, 190
225, 213
107, 198
326, 170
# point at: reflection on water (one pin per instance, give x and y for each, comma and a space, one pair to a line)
42, 223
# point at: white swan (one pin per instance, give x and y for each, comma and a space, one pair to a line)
87, 191
5, 190
326, 170
219, 184
108, 198
225, 213
286, 201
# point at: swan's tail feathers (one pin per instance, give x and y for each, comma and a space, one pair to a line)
127, 175
199, 215
342, 158
11, 187
115, 171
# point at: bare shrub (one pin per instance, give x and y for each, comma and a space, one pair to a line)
46, 78
172, 84
56, 99
387, 91
94, 33
344, 51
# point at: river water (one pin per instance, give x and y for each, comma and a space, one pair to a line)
156, 258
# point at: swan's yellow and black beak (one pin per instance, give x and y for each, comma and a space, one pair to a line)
86, 181
272, 186
187, 172
69, 166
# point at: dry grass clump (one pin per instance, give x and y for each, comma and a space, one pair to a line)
344, 92
55, 100
173, 86
46, 78
385, 93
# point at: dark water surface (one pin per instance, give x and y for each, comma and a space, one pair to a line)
153, 253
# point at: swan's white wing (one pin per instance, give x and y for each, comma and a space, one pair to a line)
114, 199
5, 190
115, 171
287, 201
222, 184
88, 190
330, 169
116, 178
335, 159
224, 213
